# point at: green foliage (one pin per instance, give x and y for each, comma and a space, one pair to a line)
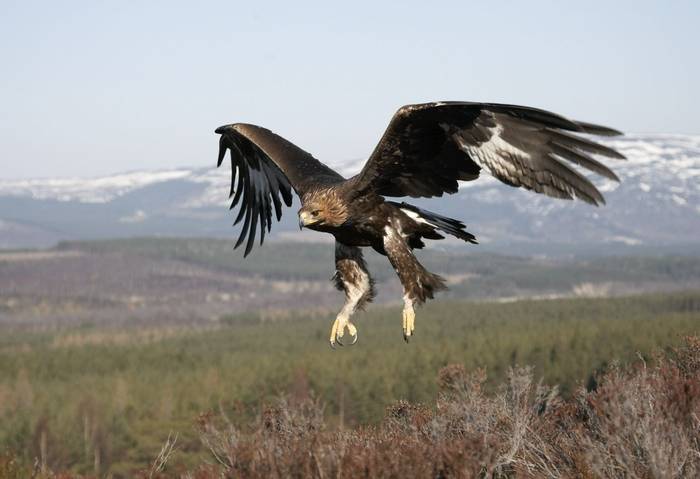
103, 401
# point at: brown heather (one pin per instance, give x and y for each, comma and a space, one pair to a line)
640, 422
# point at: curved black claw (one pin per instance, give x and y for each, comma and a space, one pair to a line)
354, 339
406, 337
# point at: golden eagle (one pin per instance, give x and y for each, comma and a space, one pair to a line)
426, 149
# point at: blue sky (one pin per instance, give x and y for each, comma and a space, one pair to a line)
92, 88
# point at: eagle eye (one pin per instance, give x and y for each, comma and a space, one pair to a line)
315, 213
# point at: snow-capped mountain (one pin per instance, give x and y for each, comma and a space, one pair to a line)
656, 204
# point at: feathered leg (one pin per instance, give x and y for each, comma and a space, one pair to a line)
351, 277
418, 283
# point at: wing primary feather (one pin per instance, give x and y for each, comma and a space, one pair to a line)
583, 159
262, 226
241, 212
237, 171
267, 210
245, 197
264, 221
265, 214
286, 190
222, 150
274, 192
255, 204
541, 116
239, 188
278, 205
578, 183
262, 202
244, 229
593, 129
583, 144
233, 177
269, 217
253, 227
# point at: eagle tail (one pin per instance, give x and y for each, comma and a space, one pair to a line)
442, 223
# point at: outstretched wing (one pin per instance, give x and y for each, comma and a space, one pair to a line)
428, 147
265, 166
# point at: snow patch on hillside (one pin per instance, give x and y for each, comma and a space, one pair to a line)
666, 166
88, 190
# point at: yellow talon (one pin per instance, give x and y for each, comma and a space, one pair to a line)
338, 331
334, 332
409, 322
352, 330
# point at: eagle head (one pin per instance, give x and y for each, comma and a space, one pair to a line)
322, 208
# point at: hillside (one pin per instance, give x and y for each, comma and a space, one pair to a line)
195, 280
655, 206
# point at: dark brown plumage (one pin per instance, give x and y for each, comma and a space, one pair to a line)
424, 152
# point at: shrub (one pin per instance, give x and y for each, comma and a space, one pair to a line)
639, 422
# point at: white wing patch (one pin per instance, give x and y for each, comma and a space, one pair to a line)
492, 152
417, 218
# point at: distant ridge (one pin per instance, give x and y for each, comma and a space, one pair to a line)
657, 204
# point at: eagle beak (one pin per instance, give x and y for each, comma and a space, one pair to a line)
304, 219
